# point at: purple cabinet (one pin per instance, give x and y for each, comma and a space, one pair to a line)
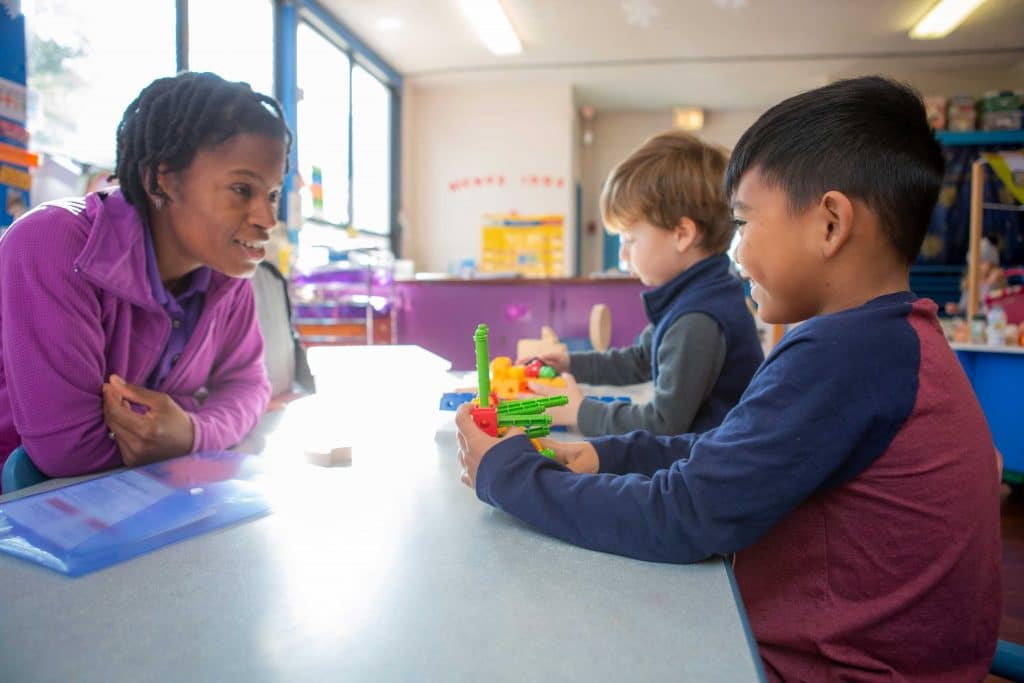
441, 315
571, 301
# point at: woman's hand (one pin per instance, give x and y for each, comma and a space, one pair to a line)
147, 425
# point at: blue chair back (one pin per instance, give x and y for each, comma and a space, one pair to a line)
1009, 661
19, 471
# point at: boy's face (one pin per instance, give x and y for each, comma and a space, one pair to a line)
777, 252
653, 253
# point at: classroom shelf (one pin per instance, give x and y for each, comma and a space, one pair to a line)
980, 137
348, 302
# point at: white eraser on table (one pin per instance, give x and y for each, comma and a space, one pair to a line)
339, 456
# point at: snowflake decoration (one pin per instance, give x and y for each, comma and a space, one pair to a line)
639, 12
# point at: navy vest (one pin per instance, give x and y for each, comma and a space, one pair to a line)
709, 287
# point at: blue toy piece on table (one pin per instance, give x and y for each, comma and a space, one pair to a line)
452, 400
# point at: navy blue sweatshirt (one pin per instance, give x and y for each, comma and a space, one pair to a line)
857, 468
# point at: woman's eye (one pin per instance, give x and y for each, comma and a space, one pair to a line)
242, 190
738, 223
274, 197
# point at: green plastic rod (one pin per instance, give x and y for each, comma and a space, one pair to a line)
526, 406
483, 365
524, 420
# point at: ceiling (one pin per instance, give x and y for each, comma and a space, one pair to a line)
719, 54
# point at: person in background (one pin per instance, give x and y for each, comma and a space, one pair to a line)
856, 480
701, 349
127, 328
990, 276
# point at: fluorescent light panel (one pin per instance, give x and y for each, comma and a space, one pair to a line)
492, 25
943, 18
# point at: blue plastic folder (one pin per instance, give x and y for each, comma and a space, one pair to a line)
93, 524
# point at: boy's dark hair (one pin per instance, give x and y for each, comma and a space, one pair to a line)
175, 117
865, 137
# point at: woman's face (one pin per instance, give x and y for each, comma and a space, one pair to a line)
222, 208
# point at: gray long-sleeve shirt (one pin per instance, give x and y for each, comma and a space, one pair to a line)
690, 358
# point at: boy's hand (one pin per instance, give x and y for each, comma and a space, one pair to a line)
473, 443
559, 360
578, 456
163, 430
567, 414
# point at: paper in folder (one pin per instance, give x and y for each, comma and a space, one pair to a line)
93, 524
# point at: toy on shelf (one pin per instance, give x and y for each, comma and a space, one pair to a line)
1008, 167
495, 416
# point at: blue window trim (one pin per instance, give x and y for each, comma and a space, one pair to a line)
289, 14
361, 50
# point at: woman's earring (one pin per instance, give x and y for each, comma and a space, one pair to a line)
158, 202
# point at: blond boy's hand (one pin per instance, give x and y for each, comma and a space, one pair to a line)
562, 415
578, 456
559, 360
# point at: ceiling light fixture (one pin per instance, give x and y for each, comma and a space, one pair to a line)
492, 25
943, 18
688, 118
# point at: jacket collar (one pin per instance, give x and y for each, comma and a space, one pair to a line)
114, 256
659, 301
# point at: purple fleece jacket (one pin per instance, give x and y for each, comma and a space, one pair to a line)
76, 306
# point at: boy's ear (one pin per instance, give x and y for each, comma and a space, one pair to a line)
837, 222
687, 233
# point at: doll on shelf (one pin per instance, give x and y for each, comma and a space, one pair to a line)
990, 276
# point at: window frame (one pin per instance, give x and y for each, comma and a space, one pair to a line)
320, 20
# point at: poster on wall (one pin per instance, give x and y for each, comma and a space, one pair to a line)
13, 97
15, 162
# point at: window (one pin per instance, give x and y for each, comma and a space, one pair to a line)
371, 153
244, 53
84, 68
323, 110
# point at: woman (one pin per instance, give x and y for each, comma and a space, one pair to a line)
127, 330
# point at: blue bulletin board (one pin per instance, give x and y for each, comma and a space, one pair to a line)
15, 164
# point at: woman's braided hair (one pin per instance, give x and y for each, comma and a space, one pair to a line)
175, 117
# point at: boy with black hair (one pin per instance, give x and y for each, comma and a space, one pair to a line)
856, 479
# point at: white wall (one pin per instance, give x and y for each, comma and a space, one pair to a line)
453, 134
616, 135
725, 127
458, 134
